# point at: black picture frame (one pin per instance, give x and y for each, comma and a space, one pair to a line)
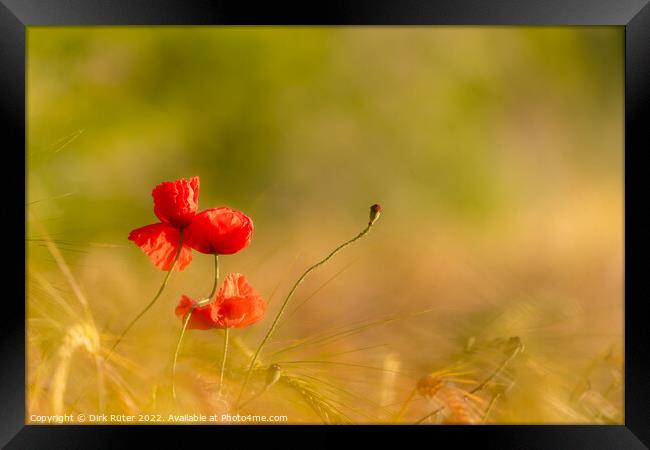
634, 15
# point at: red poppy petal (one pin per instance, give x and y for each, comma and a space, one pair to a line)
239, 312
237, 304
201, 317
236, 285
160, 242
221, 231
176, 202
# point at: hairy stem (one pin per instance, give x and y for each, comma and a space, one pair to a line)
223, 360
288, 298
178, 349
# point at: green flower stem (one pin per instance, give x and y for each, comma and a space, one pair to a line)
225, 342
178, 349
216, 277
151, 303
199, 304
223, 360
288, 298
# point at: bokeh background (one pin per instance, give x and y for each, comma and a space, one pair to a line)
496, 153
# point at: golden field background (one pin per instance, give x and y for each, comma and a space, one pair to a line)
496, 153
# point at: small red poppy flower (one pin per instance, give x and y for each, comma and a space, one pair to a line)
239, 304
176, 202
221, 231
236, 305
201, 317
175, 205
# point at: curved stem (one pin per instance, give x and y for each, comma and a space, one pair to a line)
151, 303
498, 370
178, 349
493, 400
223, 360
187, 320
288, 298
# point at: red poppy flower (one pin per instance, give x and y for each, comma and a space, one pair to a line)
175, 205
201, 317
236, 305
221, 231
175, 202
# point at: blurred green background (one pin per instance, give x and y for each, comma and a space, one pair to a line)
496, 153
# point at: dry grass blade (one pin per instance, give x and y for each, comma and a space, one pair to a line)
57, 146
313, 294
346, 364
321, 405
344, 331
337, 389
67, 273
57, 197
346, 352
80, 336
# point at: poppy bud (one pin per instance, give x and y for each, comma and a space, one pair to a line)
375, 211
273, 374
